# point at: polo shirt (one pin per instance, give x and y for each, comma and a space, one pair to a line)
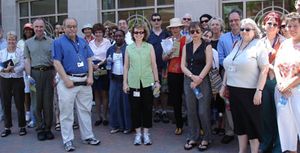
70, 53
39, 51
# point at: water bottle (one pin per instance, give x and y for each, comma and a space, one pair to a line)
108, 62
282, 101
32, 83
198, 93
156, 90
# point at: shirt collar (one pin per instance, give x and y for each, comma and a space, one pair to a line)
35, 37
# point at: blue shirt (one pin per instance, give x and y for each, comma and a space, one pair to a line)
225, 45
71, 54
155, 40
3, 44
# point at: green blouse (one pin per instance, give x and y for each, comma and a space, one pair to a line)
140, 68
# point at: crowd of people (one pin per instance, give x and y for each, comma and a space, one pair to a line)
244, 82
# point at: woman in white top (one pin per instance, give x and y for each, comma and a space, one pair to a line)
12, 84
287, 92
99, 47
246, 70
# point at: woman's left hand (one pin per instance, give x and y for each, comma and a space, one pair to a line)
196, 79
193, 85
284, 87
157, 85
257, 97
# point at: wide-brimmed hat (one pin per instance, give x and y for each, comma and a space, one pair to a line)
86, 26
28, 26
175, 22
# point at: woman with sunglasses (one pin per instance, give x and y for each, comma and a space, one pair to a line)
140, 72
196, 62
283, 30
271, 42
287, 92
246, 69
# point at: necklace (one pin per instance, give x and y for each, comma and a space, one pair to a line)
239, 49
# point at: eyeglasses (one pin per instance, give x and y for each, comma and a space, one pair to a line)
274, 24
282, 26
156, 20
186, 19
246, 29
204, 21
195, 31
138, 32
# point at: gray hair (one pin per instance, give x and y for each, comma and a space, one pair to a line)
221, 22
11, 33
251, 22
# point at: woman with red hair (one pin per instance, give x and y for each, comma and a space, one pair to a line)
271, 42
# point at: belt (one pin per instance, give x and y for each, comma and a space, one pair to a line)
43, 68
77, 75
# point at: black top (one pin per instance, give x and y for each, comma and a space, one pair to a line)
196, 61
214, 44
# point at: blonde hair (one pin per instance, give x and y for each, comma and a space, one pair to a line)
11, 33
221, 22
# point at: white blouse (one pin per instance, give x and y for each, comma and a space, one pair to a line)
100, 51
117, 68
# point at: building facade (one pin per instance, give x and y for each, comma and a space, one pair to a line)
15, 13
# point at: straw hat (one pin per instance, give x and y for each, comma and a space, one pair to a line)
87, 26
175, 22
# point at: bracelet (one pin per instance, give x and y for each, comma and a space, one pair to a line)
190, 75
201, 77
224, 85
259, 90
156, 81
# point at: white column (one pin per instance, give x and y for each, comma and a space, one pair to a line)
9, 16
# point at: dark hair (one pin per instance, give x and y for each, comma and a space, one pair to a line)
97, 27
235, 11
155, 14
194, 25
24, 36
205, 15
121, 32
274, 15
140, 26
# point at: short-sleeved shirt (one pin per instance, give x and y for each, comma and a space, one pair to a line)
39, 51
243, 66
72, 54
140, 68
155, 40
100, 51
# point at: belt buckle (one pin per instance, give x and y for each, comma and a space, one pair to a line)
43, 68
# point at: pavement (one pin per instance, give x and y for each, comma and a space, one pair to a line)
162, 134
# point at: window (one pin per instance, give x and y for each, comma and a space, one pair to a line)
136, 10
52, 11
256, 9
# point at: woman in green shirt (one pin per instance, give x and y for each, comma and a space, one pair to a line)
140, 72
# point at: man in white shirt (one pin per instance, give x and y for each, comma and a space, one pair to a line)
123, 25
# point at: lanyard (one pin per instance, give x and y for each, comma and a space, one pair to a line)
75, 46
239, 49
232, 38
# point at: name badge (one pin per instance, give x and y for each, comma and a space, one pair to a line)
136, 94
232, 68
80, 64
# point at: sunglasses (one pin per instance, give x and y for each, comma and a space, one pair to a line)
187, 19
156, 20
283, 26
274, 24
138, 32
204, 21
195, 31
246, 29
61, 32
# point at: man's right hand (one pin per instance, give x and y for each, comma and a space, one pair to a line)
69, 83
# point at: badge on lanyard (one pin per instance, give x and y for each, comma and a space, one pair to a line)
136, 94
80, 64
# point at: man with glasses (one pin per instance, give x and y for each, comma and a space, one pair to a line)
76, 73
155, 38
225, 46
204, 21
186, 21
